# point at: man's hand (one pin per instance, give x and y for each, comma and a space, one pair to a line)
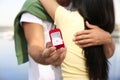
91, 37
52, 56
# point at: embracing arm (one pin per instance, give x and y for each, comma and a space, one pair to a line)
94, 36
50, 6
109, 47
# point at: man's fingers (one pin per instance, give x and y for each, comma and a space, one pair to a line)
59, 56
54, 57
48, 52
88, 31
51, 59
84, 32
60, 59
82, 37
86, 41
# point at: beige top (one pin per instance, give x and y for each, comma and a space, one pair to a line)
70, 22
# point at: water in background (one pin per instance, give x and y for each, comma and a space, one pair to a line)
114, 65
9, 69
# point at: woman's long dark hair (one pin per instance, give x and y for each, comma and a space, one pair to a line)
101, 13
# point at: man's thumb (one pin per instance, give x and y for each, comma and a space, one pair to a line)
48, 44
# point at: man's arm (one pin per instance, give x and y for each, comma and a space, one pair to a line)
35, 38
95, 36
